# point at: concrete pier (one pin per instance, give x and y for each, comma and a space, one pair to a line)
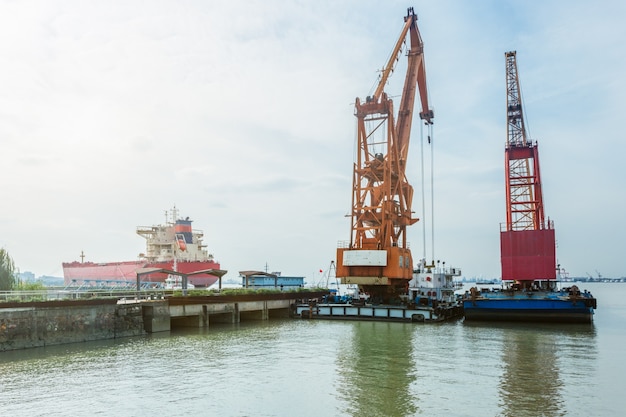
43, 323
203, 312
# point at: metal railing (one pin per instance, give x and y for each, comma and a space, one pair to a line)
85, 293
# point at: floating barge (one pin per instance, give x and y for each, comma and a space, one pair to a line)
527, 240
430, 299
417, 314
568, 305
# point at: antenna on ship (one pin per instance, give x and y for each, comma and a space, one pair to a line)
174, 214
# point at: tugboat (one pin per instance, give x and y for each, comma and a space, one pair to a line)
432, 287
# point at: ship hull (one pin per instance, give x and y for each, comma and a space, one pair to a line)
174, 246
112, 273
536, 307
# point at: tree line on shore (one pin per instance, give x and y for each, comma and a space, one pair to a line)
7, 271
8, 277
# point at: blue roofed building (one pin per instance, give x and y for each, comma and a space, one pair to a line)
272, 281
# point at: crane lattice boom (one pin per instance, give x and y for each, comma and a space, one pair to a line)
528, 241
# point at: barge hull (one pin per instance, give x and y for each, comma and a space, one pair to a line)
504, 310
548, 316
377, 313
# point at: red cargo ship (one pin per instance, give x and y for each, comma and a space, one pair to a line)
174, 246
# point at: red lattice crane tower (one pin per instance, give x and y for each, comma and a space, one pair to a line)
527, 243
377, 258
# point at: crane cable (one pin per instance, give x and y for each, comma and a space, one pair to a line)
423, 191
432, 189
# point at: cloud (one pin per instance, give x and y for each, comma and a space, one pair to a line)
241, 114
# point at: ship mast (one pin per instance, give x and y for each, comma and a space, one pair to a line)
174, 213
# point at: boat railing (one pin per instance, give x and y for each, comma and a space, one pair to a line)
345, 244
453, 271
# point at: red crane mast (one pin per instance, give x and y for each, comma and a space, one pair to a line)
378, 258
527, 243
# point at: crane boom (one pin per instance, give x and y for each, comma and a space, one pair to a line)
378, 258
525, 199
415, 77
393, 58
528, 242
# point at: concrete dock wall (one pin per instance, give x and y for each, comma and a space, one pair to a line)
43, 323
156, 316
59, 323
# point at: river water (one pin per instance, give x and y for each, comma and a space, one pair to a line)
334, 368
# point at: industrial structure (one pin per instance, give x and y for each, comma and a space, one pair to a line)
527, 243
527, 240
378, 258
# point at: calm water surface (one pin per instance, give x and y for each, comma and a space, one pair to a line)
334, 368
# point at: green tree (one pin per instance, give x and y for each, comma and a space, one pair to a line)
7, 271
29, 286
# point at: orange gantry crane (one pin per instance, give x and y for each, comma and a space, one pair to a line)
527, 242
378, 258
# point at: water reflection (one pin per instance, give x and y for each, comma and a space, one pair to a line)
535, 359
376, 369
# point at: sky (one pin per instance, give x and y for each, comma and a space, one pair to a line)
240, 114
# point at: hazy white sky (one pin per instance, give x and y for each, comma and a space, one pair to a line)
240, 113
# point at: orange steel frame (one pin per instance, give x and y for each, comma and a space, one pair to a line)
382, 195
